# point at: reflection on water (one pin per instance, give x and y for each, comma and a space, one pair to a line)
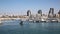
14, 27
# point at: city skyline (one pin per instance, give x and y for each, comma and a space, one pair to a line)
20, 7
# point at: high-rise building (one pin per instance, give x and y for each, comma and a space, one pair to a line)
40, 12
59, 14
28, 13
51, 12
54, 15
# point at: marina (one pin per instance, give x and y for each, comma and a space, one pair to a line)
52, 20
29, 16
47, 20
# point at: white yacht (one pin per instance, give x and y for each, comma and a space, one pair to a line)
43, 20
52, 20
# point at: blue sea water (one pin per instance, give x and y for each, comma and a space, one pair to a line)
13, 27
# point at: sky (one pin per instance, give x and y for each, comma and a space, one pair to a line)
20, 7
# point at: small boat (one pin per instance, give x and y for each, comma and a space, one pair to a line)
37, 21
21, 22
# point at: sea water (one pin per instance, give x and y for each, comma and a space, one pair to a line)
14, 27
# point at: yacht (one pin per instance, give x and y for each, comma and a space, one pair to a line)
43, 20
52, 20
